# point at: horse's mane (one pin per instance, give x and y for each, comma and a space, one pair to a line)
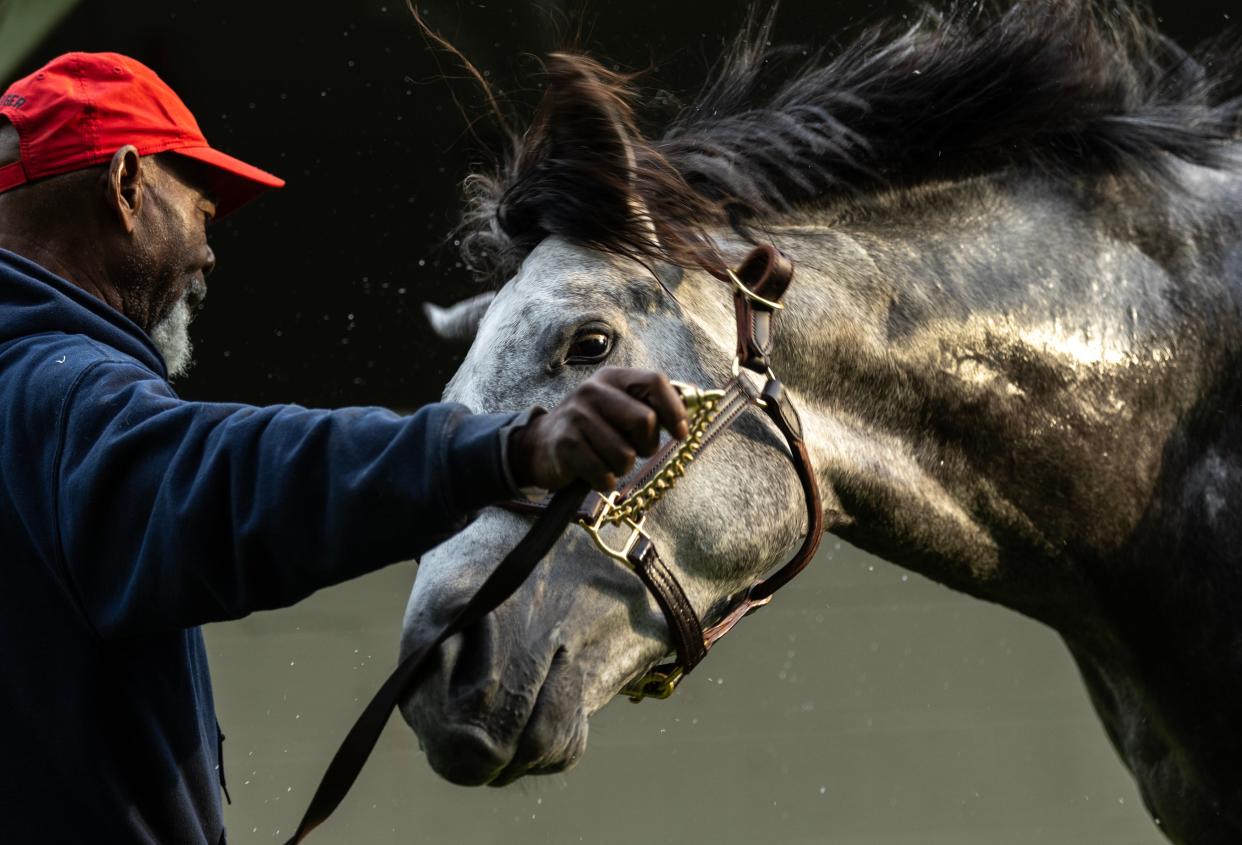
1067, 86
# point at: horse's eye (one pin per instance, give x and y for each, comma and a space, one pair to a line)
589, 346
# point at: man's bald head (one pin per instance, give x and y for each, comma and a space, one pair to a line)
61, 187
132, 232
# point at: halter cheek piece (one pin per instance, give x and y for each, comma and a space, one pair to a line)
759, 284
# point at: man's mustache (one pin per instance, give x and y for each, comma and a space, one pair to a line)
196, 295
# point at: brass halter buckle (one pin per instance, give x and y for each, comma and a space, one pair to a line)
751, 295
659, 682
608, 515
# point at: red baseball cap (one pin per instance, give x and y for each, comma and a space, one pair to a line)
80, 108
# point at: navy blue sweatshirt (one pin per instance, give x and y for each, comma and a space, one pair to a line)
128, 517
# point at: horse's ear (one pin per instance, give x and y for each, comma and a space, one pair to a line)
580, 172
589, 122
458, 322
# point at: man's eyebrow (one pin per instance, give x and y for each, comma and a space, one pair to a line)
190, 173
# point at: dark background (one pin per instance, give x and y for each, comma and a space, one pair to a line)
316, 296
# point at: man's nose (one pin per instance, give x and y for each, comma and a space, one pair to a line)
210, 263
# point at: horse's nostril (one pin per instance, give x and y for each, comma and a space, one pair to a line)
475, 676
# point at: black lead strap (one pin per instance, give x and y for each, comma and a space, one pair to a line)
502, 583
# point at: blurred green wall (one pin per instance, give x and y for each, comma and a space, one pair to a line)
22, 24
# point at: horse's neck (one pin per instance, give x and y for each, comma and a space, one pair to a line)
991, 377
1035, 400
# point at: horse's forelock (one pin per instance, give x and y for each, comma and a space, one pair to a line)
586, 172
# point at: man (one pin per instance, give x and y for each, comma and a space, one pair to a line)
129, 517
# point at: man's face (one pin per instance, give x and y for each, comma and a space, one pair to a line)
164, 269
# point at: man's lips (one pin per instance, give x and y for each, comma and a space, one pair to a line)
197, 294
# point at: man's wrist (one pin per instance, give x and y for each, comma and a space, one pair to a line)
515, 455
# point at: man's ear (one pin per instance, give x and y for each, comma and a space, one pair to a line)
124, 192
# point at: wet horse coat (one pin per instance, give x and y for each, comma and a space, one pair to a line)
1015, 338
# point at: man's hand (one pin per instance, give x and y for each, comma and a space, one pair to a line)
598, 432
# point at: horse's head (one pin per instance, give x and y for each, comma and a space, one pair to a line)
513, 694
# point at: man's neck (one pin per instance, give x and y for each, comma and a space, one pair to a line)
80, 269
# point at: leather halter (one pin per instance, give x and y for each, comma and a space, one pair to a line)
759, 284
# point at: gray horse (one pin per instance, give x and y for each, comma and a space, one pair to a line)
1014, 334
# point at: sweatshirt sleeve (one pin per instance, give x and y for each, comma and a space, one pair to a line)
173, 513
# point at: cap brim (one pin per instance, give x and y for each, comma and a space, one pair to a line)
234, 182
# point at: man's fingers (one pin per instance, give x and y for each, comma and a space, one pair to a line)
614, 450
581, 460
636, 420
657, 392
604, 426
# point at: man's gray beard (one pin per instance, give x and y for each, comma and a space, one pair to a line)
171, 336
